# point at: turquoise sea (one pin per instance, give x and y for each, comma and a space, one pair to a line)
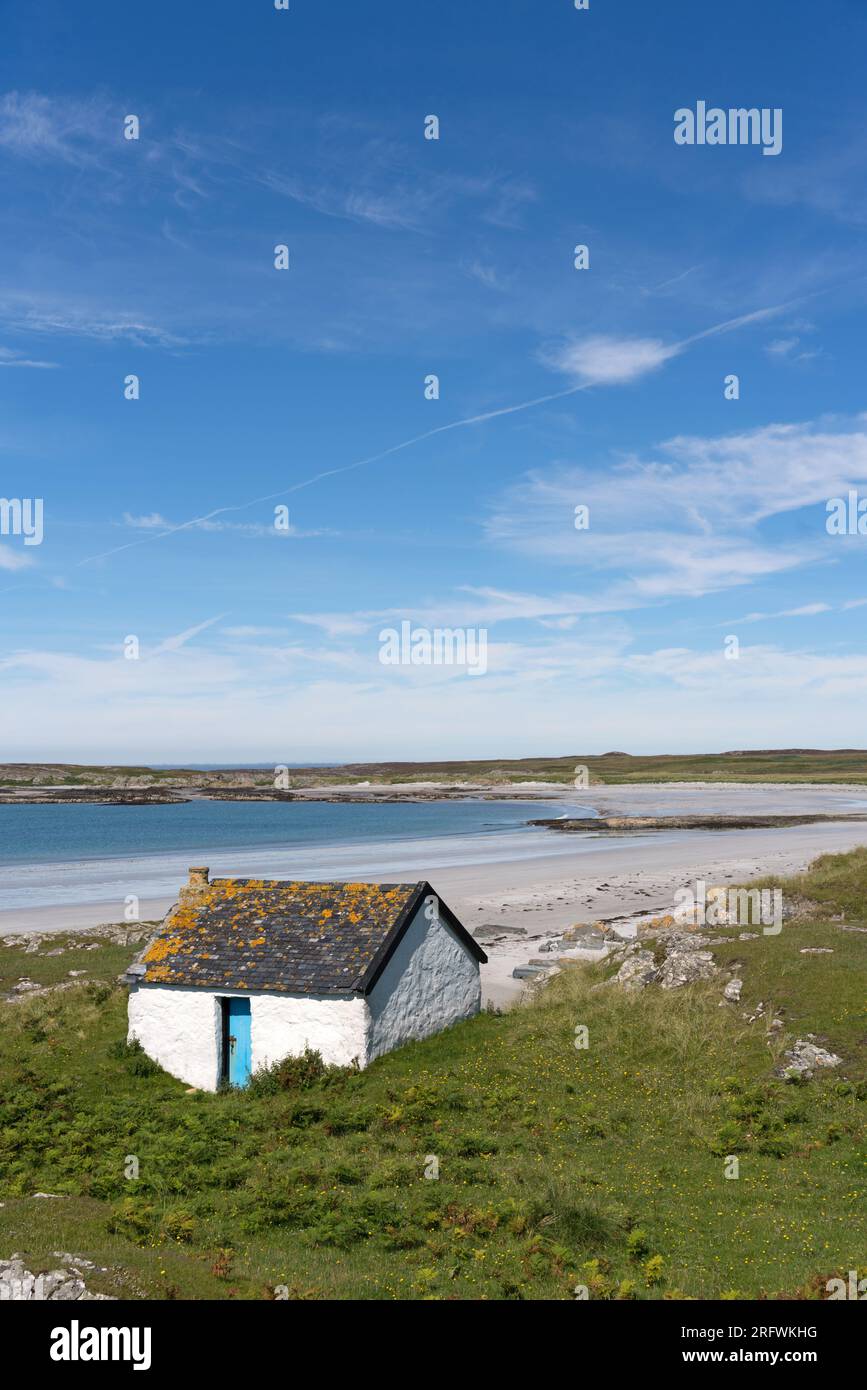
57, 855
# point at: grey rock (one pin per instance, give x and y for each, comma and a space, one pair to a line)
732, 990
685, 967
19, 1285
803, 1059
58, 1287
638, 970
489, 931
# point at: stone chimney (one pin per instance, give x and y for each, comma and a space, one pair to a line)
194, 890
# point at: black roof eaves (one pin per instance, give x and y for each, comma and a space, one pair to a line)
251, 987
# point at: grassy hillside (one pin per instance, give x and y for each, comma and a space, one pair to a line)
772, 765
775, 765
557, 1166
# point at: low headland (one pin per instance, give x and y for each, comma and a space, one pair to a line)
518, 777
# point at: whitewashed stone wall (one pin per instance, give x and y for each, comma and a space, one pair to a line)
430, 982
283, 1025
180, 1029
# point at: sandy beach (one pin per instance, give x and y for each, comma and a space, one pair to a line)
555, 881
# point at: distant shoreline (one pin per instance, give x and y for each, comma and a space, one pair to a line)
381, 794
145, 784
131, 793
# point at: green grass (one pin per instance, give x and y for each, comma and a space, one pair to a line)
105, 963
773, 765
557, 1166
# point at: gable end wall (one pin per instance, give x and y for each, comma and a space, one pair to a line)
430, 982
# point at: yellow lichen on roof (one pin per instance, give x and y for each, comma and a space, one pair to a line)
162, 947
271, 921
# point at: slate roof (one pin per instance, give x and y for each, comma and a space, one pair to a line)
297, 937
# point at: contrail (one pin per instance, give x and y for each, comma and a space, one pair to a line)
731, 324
728, 326
344, 468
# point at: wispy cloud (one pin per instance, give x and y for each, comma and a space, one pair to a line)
782, 347
13, 559
686, 520
10, 358
366, 181
36, 126
75, 318
807, 610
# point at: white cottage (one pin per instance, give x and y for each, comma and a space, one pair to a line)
245, 972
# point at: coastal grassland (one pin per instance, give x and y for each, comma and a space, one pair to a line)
43, 968
773, 765
558, 1166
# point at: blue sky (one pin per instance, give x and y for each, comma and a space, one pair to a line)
408, 257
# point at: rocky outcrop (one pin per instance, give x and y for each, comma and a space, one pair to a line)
684, 967
678, 959
637, 971
66, 1283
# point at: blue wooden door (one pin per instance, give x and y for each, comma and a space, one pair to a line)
239, 1042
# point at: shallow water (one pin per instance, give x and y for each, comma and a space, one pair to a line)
56, 855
